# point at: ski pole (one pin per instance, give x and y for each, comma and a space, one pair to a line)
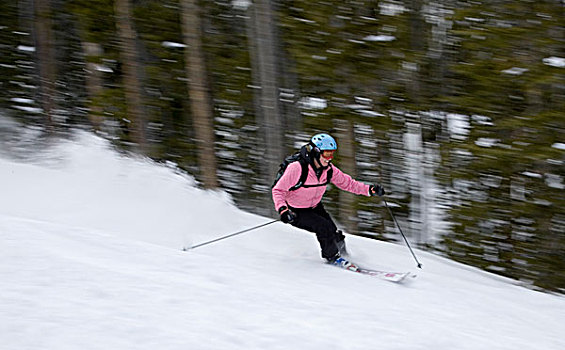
402, 233
230, 235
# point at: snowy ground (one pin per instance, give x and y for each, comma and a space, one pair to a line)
90, 258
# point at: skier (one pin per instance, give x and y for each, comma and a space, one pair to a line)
302, 207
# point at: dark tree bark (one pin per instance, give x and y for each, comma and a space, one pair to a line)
130, 62
264, 65
199, 91
45, 53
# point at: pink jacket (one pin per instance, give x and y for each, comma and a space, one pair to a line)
309, 197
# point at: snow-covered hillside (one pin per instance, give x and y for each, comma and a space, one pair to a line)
91, 258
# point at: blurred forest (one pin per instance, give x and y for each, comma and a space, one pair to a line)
455, 107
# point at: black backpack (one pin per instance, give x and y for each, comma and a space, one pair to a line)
302, 157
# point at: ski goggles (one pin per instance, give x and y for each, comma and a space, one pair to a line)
329, 155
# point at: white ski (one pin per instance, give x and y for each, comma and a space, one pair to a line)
384, 275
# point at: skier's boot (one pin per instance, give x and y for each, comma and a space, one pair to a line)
337, 260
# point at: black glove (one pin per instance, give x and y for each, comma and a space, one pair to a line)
287, 216
376, 190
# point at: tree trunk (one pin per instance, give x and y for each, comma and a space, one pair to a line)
45, 53
199, 91
415, 164
130, 64
346, 142
269, 118
93, 83
416, 46
254, 60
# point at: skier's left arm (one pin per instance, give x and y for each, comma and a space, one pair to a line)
347, 183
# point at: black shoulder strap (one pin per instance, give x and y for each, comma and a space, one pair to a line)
304, 161
303, 174
330, 173
328, 178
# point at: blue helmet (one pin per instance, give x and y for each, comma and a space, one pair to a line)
324, 142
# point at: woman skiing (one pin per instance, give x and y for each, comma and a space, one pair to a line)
298, 197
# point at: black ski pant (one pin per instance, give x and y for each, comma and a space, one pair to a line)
318, 221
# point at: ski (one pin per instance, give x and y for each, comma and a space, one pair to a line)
396, 277
385, 275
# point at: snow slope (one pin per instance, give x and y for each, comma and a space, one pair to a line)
90, 258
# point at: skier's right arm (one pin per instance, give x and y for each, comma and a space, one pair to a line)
288, 179
287, 215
